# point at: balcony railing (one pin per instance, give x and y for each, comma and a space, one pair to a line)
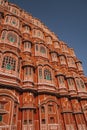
28, 127
51, 127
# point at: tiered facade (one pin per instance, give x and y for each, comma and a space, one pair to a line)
42, 84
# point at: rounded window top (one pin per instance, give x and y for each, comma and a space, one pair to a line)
47, 74
42, 50
12, 37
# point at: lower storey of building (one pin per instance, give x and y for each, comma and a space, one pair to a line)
45, 111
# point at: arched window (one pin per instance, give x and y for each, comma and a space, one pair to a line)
50, 108
37, 33
49, 40
28, 71
14, 22
47, 75
9, 63
82, 84
12, 37
27, 29
71, 62
42, 50
61, 79
71, 83
3, 36
7, 19
54, 56
56, 44
62, 60
42, 109
27, 45
15, 11
77, 83
40, 73
79, 65
36, 47
64, 48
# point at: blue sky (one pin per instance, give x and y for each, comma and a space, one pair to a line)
66, 18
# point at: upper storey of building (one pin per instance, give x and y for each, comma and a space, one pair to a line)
18, 26
32, 55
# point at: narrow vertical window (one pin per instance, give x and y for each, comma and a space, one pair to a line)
40, 73
50, 108
42, 50
47, 75
36, 47
30, 70
82, 84
7, 19
42, 109
26, 71
61, 79
25, 45
77, 83
3, 35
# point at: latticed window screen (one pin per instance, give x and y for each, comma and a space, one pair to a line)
3, 35
28, 70
50, 108
61, 79
62, 60
40, 72
7, 19
12, 37
27, 117
70, 82
36, 47
42, 50
9, 63
27, 28
77, 83
82, 84
27, 45
47, 75
14, 22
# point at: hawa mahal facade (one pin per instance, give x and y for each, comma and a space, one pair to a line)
42, 83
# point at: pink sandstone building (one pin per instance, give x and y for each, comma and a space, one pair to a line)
42, 83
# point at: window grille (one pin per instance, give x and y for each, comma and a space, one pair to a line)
9, 63
47, 75
40, 73
3, 35
42, 50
